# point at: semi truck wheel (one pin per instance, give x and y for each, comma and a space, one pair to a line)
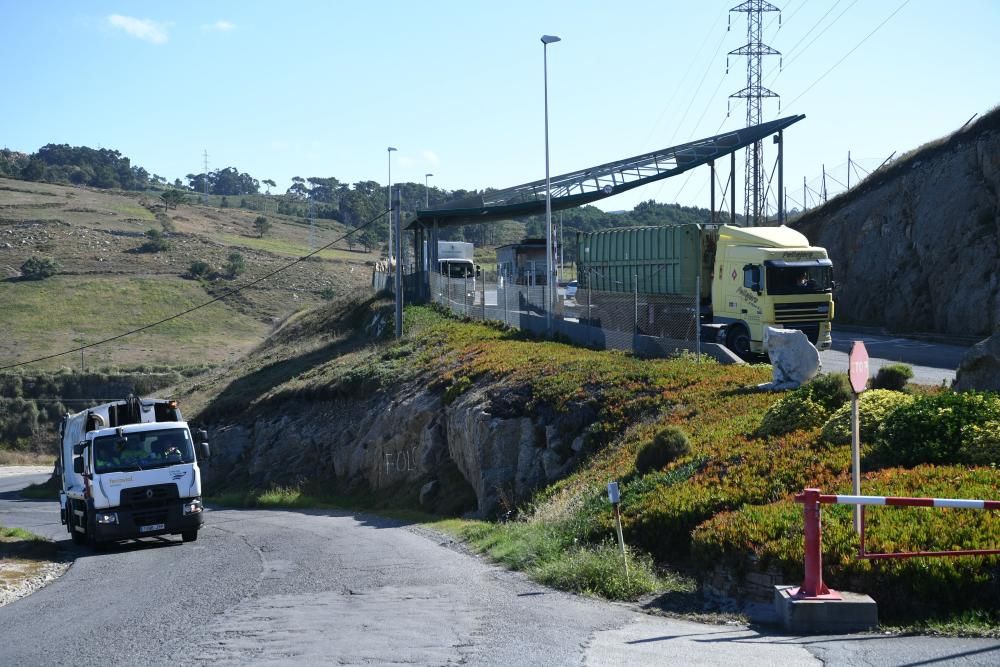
738, 340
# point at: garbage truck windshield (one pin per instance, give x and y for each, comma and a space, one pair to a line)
142, 450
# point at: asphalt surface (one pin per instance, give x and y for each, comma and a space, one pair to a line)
933, 363
276, 587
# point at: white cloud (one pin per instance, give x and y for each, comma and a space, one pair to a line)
432, 158
219, 26
144, 29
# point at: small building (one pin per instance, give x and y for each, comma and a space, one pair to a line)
522, 263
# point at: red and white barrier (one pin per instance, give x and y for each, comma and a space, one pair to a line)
813, 586
896, 501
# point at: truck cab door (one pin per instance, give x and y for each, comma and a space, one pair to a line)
750, 295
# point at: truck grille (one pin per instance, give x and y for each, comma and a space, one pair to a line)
814, 311
156, 494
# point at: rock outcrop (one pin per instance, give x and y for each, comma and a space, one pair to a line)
474, 455
980, 368
916, 247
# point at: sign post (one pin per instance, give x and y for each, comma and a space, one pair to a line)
858, 375
615, 498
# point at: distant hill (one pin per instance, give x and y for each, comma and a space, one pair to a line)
106, 285
916, 246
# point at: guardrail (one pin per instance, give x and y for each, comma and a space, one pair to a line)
813, 587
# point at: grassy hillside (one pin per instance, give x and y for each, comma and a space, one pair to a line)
719, 506
107, 285
65, 311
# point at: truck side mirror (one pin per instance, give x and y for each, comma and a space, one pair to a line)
200, 436
78, 465
78, 448
204, 453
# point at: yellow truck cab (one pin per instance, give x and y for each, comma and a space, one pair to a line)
770, 276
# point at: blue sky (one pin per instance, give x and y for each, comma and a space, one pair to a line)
322, 88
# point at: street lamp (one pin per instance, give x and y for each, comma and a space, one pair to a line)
388, 199
546, 40
427, 192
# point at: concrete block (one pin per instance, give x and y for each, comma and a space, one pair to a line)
853, 613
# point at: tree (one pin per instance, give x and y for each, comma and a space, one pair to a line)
171, 198
39, 268
33, 170
235, 265
368, 240
261, 225
268, 183
298, 189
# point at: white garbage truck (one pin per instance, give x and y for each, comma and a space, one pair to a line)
129, 469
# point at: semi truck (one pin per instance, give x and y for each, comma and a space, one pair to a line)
746, 278
129, 469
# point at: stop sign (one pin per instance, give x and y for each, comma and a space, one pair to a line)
858, 367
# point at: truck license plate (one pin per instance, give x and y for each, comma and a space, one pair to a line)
152, 527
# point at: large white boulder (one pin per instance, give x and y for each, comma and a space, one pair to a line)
794, 359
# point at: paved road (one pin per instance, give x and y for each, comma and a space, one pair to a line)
932, 363
326, 587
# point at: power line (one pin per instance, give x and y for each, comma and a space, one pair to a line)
683, 78
795, 56
698, 89
229, 293
791, 51
856, 47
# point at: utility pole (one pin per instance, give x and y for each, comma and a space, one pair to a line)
754, 92
204, 197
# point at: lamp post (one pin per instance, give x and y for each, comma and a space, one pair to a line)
546, 40
427, 192
388, 199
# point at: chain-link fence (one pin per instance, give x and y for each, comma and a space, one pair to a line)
648, 324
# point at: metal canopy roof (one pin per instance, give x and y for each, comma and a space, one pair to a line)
588, 185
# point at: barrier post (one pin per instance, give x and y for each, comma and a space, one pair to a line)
812, 585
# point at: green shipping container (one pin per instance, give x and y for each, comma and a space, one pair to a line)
664, 260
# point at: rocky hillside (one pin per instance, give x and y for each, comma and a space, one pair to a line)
916, 247
319, 403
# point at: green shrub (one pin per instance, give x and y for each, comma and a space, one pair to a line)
935, 429
893, 377
831, 390
791, 413
235, 265
873, 407
669, 444
39, 268
199, 269
982, 443
808, 406
156, 242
